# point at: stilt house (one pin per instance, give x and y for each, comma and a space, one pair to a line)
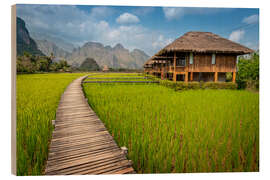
196, 56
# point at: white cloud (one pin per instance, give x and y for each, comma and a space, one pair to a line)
78, 27
127, 18
160, 42
253, 19
178, 12
173, 13
237, 35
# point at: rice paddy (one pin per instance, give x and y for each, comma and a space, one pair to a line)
37, 99
164, 130
175, 132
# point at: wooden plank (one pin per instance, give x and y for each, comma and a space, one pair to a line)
76, 169
71, 158
124, 170
80, 142
79, 161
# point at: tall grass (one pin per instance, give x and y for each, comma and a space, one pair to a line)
189, 131
38, 96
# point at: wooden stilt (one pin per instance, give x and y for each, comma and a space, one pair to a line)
216, 77
174, 67
191, 76
186, 76
174, 77
234, 77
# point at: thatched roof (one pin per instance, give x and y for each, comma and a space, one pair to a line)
204, 42
149, 61
155, 59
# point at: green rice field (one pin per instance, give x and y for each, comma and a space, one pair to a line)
186, 131
165, 131
37, 99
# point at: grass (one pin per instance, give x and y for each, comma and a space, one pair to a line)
122, 79
111, 75
38, 96
187, 131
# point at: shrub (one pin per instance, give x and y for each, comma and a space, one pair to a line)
219, 85
194, 85
168, 83
181, 86
197, 85
248, 72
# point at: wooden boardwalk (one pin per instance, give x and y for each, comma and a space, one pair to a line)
80, 142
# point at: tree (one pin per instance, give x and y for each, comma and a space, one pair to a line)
43, 65
248, 72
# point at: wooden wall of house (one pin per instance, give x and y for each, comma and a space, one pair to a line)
203, 63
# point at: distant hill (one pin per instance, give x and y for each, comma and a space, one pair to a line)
89, 64
60, 43
24, 42
48, 47
113, 57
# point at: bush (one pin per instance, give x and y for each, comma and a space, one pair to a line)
248, 72
197, 85
219, 85
252, 84
168, 83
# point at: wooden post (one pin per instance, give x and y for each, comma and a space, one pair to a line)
124, 150
191, 76
186, 76
53, 123
174, 67
162, 72
216, 77
233, 77
174, 77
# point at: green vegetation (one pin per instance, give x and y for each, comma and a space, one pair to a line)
180, 131
116, 75
197, 85
38, 96
116, 79
248, 72
32, 64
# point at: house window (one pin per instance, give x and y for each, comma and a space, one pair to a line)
181, 61
191, 58
213, 58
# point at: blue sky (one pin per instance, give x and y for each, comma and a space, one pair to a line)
146, 28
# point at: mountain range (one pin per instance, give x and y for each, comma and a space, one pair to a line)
24, 42
114, 57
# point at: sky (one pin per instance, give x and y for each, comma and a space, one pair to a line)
138, 27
